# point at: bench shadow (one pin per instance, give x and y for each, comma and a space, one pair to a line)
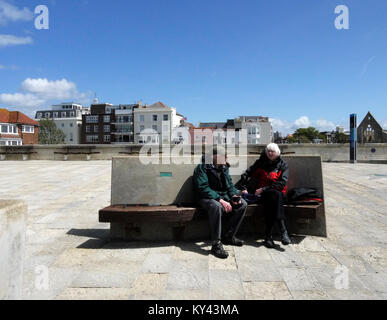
100, 239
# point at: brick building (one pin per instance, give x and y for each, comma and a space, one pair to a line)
17, 129
96, 126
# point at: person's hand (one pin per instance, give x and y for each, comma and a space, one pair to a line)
258, 192
245, 192
226, 205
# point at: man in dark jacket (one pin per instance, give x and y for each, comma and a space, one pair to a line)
268, 178
218, 196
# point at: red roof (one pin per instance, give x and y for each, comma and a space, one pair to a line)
16, 117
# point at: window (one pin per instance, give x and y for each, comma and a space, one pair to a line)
62, 125
95, 129
142, 118
92, 119
71, 136
155, 117
106, 119
72, 114
165, 128
88, 129
63, 115
10, 129
142, 128
28, 129
154, 127
56, 114
106, 128
71, 125
252, 130
47, 115
92, 138
106, 138
165, 117
39, 115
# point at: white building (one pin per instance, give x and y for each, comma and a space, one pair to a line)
259, 129
154, 124
68, 118
340, 129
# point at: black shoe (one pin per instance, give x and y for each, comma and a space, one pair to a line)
269, 243
285, 238
284, 233
233, 241
218, 251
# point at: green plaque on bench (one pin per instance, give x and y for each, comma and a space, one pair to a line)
166, 174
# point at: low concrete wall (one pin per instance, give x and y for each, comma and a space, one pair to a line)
327, 152
13, 219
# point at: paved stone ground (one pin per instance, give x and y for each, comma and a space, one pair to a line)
65, 239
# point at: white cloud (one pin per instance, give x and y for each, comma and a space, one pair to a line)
324, 125
59, 89
283, 126
302, 122
37, 92
10, 40
287, 127
2, 67
10, 13
20, 100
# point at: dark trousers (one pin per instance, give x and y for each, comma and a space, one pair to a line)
273, 204
215, 212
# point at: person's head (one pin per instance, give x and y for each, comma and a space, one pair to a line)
272, 151
219, 156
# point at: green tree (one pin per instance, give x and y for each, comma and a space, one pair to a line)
49, 133
342, 138
305, 135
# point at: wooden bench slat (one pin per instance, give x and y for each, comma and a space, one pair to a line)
132, 214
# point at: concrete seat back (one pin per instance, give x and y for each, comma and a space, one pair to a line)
164, 184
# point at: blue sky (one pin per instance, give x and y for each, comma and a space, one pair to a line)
210, 59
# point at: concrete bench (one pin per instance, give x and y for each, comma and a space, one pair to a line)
16, 153
156, 201
76, 152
